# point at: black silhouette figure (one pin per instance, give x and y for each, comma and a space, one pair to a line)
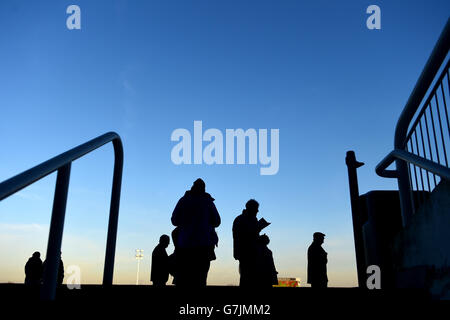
160, 262
33, 270
60, 277
196, 216
173, 256
317, 262
267, 271
246, 228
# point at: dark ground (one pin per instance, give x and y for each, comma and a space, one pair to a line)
167, 303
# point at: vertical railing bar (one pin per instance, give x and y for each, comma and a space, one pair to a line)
434, 133
415, 172
440, 127
53, 256
411, 187
108, 270
445, 105
429, 142
424, 153
410, 178
420, 170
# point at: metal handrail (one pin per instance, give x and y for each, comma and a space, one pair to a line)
409, 157
427, 102
424, 82
62, 164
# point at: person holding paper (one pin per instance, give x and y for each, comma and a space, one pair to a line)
246, 228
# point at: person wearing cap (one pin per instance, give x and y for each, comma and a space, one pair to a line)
196, 216
317, 262
160, 262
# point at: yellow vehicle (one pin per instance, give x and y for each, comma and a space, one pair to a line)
288, 282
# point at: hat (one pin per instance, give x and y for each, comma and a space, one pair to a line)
318, 235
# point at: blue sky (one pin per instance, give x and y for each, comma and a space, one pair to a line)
311, 69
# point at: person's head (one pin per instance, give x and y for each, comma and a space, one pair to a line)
252, 207
198, 186
318, 237
264, 239
36, 254
164, 240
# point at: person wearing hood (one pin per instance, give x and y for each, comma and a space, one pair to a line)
196, 217
33, 269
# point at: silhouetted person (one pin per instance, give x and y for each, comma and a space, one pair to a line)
267, 271
160, 262
173, 256
196, 216
245, 243
33, 270
60, 278
317, 262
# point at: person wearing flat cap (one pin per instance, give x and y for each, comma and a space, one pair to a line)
317, 262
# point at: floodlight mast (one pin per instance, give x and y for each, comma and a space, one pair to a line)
139, 256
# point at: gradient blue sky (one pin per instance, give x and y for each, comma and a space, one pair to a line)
144, 68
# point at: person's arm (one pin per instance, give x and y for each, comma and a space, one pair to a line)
324, 256
236, 243
312, 258
177, 213
215, 217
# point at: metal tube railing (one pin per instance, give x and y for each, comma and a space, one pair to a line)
409, 157
53, 255
62, 164
402, 172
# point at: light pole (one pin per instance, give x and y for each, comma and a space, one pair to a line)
139, 256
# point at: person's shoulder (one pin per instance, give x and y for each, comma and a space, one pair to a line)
186, 195
209, 197
238, 219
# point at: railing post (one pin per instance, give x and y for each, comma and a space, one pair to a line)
53, 255
113, 214
404, 188
352, 165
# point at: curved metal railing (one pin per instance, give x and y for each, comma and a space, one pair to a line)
62, 164
413, 149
